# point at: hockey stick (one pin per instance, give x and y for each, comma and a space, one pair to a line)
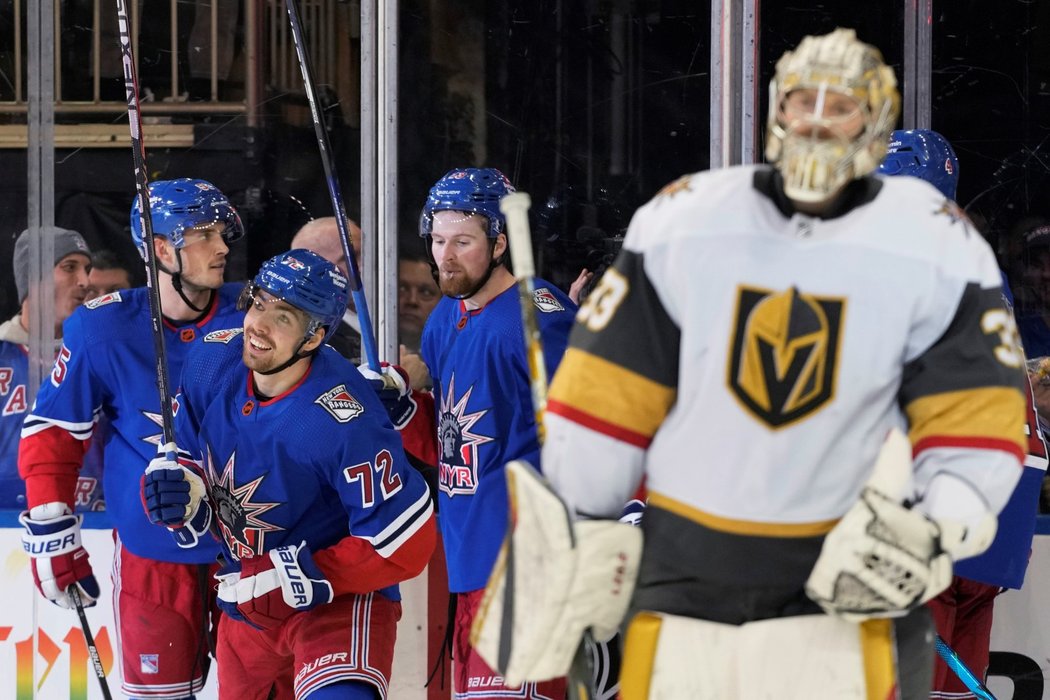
515, 208
959, 668
138, 151
89, 639
368, 341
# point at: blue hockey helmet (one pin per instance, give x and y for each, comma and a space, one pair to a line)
924, 154
178, 205
308, 282
473, 190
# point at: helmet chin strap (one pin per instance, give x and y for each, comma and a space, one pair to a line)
294, 358
176, 282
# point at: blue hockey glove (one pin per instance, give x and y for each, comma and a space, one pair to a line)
274, 586
176, 496
392, 387
52, 540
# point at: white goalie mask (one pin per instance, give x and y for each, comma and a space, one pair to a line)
835, 129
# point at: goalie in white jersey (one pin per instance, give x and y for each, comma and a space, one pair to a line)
762, 332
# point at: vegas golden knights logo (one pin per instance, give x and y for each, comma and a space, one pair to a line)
782, 365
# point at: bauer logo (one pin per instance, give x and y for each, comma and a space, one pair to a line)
224, 336
103, 300
338, 401
546, 301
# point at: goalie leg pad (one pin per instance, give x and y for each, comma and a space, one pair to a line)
814, 656
553, 580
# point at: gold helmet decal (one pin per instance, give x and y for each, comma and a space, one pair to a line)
784, 357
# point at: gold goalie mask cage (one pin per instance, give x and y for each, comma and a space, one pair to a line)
814, 155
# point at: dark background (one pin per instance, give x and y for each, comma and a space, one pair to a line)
591, 106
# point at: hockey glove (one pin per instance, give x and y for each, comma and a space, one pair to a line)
882, 559
393, 390
176, 497
274, 586
52, 541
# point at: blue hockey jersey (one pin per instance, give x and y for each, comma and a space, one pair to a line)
320, 463
1005, 562
14, 383
485, 417
107, 366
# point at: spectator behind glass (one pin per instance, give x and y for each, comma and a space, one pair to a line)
72, 263
417, 295
322, 237
108, 274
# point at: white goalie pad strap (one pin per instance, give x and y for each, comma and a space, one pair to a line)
553, 580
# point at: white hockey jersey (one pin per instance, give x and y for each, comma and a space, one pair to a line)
748, 361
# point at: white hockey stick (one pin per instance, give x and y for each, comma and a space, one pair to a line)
515, 207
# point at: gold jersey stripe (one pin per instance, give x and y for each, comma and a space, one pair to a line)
992, 415
877, 650
639, 654
740, 527
637, 404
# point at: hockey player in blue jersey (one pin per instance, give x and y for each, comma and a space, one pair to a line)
473, 345
107, 366
319, 511
963, 613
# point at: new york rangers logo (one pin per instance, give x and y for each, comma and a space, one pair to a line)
110, 298
458, 458
239, 514
545, 301
340, 404
224, 336
293, 263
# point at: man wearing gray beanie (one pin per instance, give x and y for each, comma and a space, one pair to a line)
72, 262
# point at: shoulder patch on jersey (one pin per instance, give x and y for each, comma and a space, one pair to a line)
338, 402
546, 301
112, 297
953, 211
223, 336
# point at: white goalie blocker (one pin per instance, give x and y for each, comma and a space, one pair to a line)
554, 579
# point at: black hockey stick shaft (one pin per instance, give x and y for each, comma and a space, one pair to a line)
89, 639
138, 151
960, 669
368, 341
